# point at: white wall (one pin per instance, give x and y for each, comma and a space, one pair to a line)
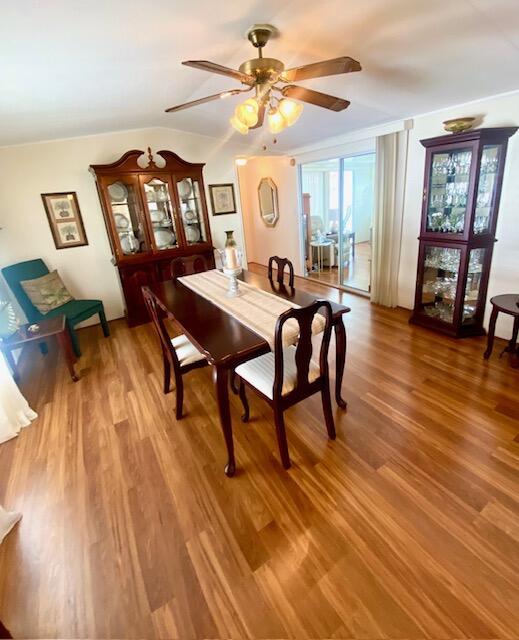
26, 171
283, 239
504, 276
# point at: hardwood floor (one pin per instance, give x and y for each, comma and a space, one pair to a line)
407, 526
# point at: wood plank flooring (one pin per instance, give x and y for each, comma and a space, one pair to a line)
407, 526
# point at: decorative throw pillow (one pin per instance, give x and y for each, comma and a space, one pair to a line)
47, 293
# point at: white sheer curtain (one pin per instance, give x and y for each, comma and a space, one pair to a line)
387, 223
15, 412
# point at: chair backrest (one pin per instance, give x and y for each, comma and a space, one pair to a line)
157, 317
188, 265
16, 273
281, 263
305, 317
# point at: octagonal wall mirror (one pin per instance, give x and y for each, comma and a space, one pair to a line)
268, 201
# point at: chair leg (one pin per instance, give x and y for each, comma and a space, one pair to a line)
104, 323
167, 374
282, 437
327, 410
244, 401
180, 396
234, 388
75, 341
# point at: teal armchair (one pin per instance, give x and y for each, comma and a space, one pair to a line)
75, 311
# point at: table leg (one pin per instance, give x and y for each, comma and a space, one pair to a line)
221, 383
491, 331
340, 359
515, 333
70, 356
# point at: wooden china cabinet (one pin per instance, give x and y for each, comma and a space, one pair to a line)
462, 188
153, 213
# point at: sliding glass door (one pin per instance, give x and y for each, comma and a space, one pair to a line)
337, 198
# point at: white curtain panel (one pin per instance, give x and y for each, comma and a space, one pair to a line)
15, 412
390, 175
7, 521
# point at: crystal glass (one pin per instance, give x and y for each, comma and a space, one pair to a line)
125, 213
486, 187
448, 191
475, 270
158, 201
191, 210
440, 282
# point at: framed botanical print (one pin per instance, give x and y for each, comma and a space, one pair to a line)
222, 199
64, 216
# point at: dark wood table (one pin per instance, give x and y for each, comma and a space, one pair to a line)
509, 304
226, 342
47, 327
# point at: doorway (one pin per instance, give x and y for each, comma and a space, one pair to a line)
337, 197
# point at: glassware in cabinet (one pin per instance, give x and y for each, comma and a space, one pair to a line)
125, 208
191, 210
160, 212
440, 282
487, 185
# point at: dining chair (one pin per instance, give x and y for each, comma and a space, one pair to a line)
178, 353
188, 265
281, 263
288, 375
75, 311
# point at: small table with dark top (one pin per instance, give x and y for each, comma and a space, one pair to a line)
507, 303
47, 327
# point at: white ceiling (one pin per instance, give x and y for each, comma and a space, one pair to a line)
72, 67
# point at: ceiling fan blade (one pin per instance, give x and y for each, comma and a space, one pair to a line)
315, 97
261, 117
320, 69
205, 65
193, 103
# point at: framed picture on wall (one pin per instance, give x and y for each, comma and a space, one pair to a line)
222, 199
64, 216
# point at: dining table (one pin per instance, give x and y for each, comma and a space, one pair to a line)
226, 342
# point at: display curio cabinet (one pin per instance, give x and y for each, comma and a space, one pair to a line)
155, 210
462, 187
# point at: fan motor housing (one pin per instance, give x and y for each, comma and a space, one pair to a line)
263, 69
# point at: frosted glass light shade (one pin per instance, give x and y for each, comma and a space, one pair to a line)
290, 110
276, 121
239, 126
247, 112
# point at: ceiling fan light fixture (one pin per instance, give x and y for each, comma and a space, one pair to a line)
290, 110
239, 126
276, 121
247, 112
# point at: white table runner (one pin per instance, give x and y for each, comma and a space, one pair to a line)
256, 309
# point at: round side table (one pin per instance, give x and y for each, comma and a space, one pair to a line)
507, 303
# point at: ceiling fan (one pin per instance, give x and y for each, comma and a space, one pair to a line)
264, 76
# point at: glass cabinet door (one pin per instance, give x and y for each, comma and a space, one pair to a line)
123, 199
440, 282
448, 191
472, 288
487, 186
157, 194
191, 210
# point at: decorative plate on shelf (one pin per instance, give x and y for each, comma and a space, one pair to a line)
157, 216
190, 215
118, 192
129, 243
192, 234
121, 221
184, 188
164, 238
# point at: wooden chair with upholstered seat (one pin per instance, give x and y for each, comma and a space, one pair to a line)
289, 375
187, 265
281, 263
178, 353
